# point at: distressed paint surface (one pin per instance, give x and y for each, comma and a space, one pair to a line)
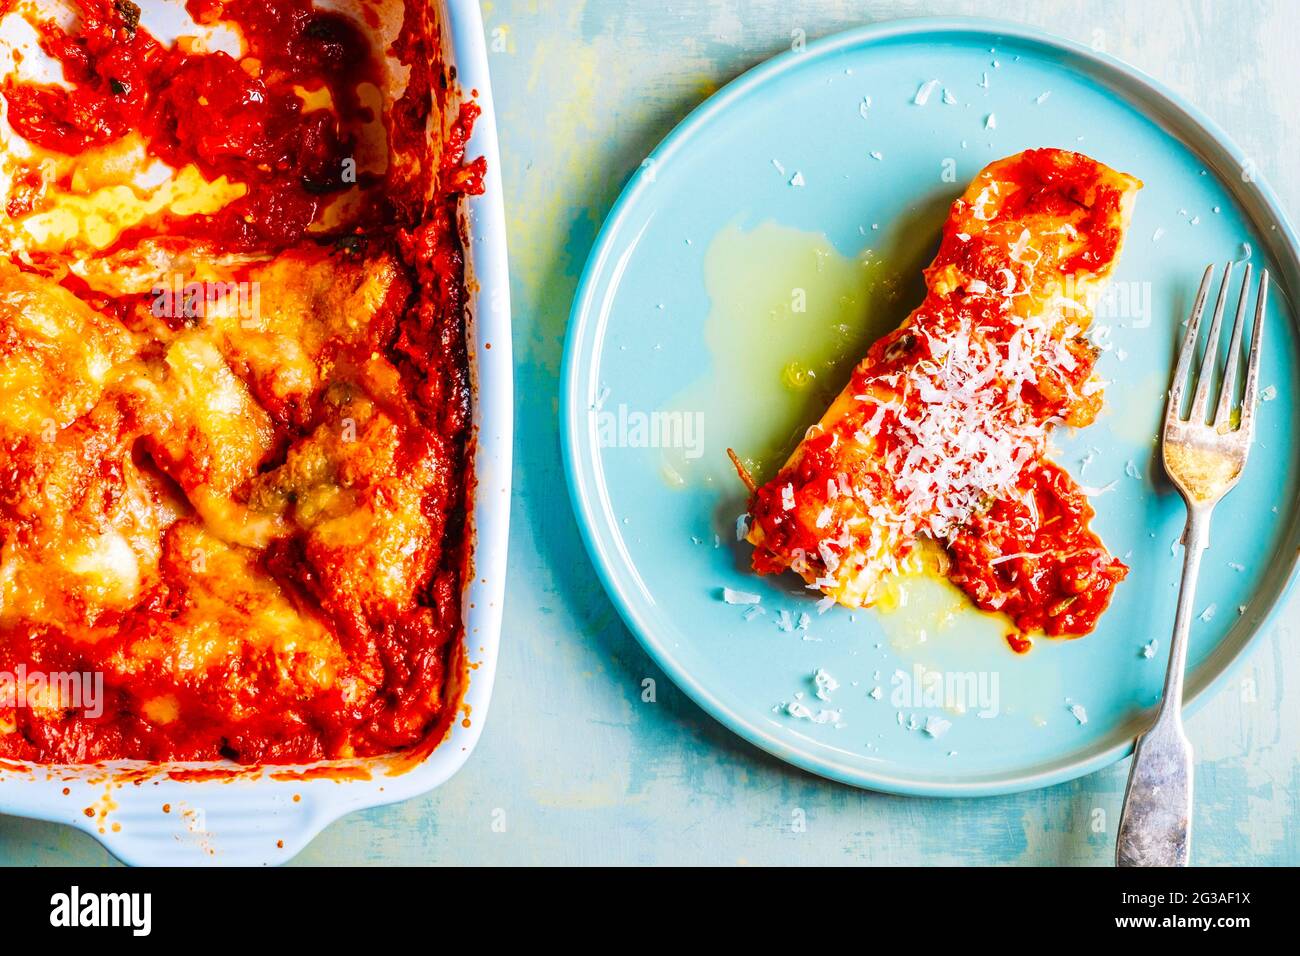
574, 767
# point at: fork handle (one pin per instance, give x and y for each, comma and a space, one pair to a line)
1155, 826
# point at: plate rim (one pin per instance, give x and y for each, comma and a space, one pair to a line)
582, 317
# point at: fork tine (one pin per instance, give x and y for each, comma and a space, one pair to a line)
1252, 364
1173, 411
1228, 391
1200, 400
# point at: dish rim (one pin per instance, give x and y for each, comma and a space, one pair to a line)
1177, 113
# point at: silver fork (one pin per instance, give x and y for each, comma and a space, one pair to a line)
1204, 461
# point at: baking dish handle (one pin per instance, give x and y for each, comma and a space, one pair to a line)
236, 824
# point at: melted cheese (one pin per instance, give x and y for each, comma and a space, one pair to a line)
110, 564
98, 527
56, 354
236, 617
96, 220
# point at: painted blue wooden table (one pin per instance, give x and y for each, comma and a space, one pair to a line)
575, 767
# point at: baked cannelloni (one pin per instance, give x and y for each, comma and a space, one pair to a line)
942, 429
235, 449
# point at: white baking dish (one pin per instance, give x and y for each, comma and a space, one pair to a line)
267, 815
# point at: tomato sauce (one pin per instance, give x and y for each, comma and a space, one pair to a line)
1033, 557
242, 119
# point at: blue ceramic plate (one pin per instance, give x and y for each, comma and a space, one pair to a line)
749, 263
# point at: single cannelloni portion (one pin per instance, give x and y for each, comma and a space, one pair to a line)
941, 431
